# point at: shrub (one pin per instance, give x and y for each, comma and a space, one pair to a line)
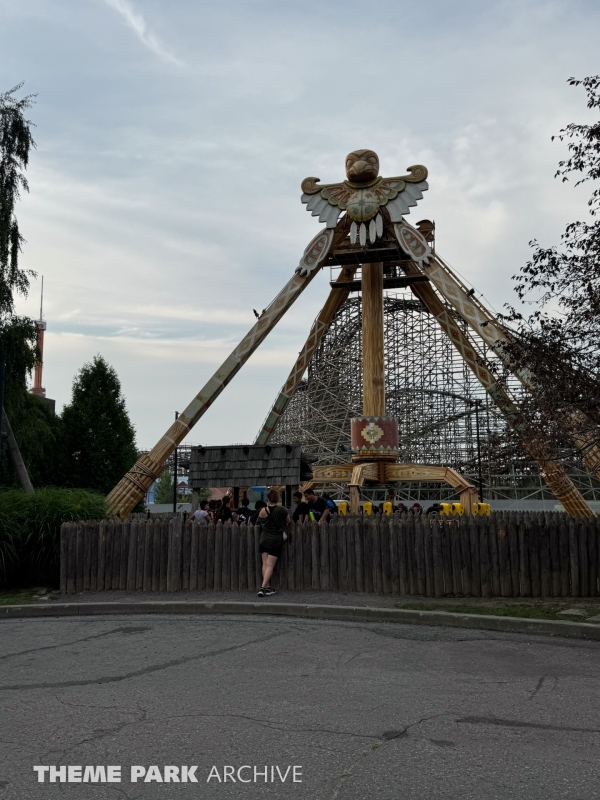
30, 531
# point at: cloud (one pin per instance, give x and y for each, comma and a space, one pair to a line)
137, 23
163, 211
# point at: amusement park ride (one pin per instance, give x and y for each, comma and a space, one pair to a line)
367, 236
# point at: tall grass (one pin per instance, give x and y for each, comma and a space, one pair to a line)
30, 531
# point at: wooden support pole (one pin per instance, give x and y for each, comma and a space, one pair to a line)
354, 499
372, 340
16, 456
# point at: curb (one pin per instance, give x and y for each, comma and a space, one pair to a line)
570, 630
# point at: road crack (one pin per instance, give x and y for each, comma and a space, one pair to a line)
176, 662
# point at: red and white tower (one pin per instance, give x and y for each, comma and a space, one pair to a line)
37, 389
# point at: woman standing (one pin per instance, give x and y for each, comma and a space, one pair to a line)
272, 520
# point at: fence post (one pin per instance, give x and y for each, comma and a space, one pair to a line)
148, 532
202, 556
186, 554
65, 529
492, 537
465, 557
79, 548
234, 556
592, 557
437, 557
226, 556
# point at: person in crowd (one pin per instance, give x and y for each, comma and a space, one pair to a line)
401, 509
213, 514
201, 514
434, 509
330, 503
243, 513
257, 507
272, 520
300, 512
416, 508
317, 507
225, 512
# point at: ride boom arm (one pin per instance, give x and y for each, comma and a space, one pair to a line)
135, 483
581, 429
551, 470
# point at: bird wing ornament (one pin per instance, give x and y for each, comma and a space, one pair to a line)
363, 194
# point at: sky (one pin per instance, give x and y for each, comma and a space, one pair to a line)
172, 139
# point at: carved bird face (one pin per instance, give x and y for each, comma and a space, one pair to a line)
362, 166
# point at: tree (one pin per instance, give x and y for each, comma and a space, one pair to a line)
559, 340
16, 142
163, 491
35, 429
98, 439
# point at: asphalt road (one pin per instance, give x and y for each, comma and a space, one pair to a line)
382, 711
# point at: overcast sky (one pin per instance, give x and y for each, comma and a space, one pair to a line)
172, 138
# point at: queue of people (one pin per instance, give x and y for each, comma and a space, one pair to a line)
307, 506
273, 519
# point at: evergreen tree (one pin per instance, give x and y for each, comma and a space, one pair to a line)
98, 438
163, 492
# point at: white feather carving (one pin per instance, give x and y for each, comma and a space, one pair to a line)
353, 232
363, 234
379, 225
372, 231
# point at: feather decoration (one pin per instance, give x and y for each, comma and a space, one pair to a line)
372, 231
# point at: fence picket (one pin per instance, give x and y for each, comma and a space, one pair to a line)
71, 558
592, 542
394, 556
65, 535
584, 577
156, 526
202, 536
453, 533
218, 562
492, 538
226, 558
164, 556
386, 565
186, 555
148, 532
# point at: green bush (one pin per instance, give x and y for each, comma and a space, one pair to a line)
30, 531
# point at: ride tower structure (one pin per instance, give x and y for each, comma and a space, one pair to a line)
368, 238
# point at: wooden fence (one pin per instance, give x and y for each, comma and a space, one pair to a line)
505, 555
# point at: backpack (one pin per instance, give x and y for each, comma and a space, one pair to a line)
331, 506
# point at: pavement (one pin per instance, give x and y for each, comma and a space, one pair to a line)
361, 709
